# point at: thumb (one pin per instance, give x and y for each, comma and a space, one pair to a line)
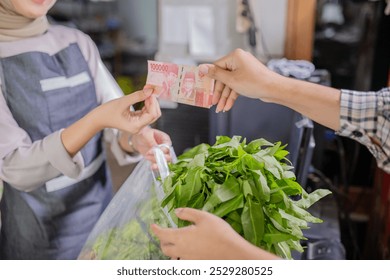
190, 214
216, 72
139, 96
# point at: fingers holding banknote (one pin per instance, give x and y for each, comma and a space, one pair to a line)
117, 112
224, 97
237, 73
180, 83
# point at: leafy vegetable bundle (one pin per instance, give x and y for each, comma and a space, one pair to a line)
123, 230
132, 241
248, 185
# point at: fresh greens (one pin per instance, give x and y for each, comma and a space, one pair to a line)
248, 185
133, 240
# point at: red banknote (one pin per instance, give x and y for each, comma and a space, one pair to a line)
180, 83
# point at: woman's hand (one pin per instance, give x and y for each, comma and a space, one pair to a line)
114, 114
147, 139
117, 113
209, 237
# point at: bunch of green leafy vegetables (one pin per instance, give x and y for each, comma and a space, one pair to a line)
132, 240
250, 186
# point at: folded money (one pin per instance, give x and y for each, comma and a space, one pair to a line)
180, 83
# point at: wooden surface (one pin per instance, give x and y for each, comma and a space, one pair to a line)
300, 29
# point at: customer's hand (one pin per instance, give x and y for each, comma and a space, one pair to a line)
241, 73
209, 237
238, 73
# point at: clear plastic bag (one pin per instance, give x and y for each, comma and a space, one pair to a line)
123, 230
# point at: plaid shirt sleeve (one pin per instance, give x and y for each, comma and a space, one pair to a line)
366, 115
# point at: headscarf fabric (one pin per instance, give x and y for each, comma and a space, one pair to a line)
14, 26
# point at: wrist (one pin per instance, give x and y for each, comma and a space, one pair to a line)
95, 121
131, 148
271, 83
126, 143
75, 136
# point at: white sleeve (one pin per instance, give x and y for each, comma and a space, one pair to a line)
108, 89
26, 165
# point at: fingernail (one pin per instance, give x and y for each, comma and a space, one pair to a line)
204, 69
178, 210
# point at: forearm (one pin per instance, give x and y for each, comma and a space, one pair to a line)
317, 102
79, 133
31, 165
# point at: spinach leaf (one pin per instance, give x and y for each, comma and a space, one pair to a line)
248, 185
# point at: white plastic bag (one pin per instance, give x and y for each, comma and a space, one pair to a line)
123, 230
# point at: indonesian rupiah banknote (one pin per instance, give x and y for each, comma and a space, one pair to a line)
180, 83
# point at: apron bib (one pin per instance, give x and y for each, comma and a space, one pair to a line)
46, 93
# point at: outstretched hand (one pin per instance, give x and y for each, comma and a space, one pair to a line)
237, 73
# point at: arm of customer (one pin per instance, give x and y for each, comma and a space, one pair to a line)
240, 72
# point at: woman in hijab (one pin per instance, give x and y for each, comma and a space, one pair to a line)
56, 98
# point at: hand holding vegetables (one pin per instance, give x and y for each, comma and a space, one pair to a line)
249, 186
209, 237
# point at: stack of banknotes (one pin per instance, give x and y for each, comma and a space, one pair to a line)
180, 83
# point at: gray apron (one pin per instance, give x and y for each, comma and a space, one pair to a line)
46, 93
